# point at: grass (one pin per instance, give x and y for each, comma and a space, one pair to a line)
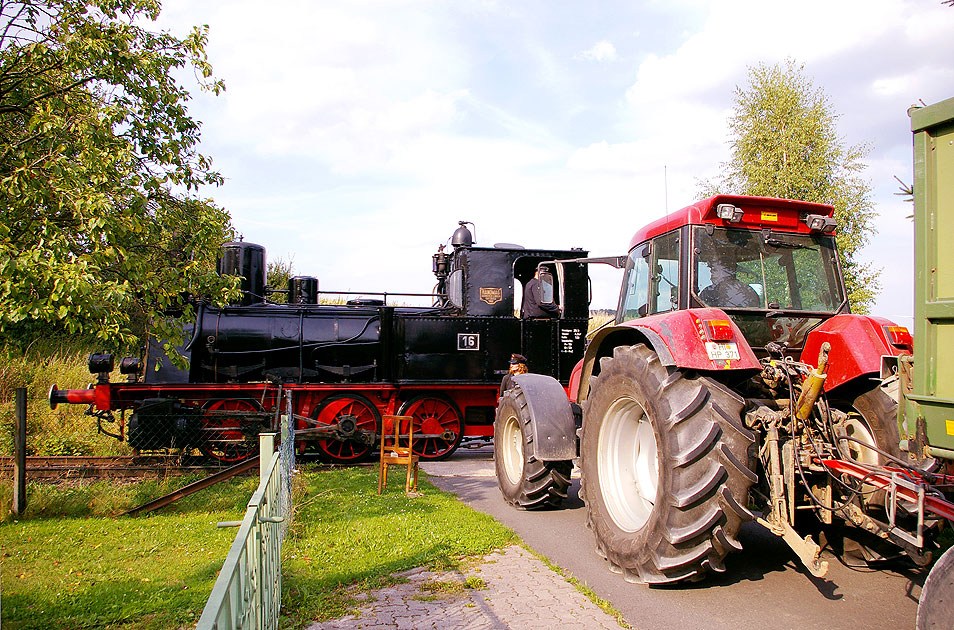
68, 565
345, 535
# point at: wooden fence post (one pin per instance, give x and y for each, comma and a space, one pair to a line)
19, 448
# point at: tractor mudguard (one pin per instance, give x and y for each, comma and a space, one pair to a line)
857, 344
679, 339
554, 428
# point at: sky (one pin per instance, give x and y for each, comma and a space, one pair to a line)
355, 134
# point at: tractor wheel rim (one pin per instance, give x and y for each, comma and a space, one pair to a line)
512, 450
628, 464
857, 428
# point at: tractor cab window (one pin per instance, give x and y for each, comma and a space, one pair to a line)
635, 297
766, 270
777, 286
664, 278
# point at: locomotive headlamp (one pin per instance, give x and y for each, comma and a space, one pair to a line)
100, 363
130, 365
728, 212
820, 223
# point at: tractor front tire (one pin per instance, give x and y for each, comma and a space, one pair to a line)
664, 468
525, 481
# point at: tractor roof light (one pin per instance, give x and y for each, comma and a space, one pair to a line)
820, 223
728, 212
899, 336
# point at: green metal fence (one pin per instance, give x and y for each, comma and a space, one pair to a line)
247, 593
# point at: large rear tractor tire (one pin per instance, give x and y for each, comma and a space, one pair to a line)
525, 481
664, 468
872, 419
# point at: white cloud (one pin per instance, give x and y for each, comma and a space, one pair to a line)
600, 51
357, 133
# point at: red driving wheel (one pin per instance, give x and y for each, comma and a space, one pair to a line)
439, 421
223, 437
351, 413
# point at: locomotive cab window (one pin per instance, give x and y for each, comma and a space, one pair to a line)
455, 288
541, 292
547, 288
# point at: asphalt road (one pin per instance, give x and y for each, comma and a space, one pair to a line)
764, 585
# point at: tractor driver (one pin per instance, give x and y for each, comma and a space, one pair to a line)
726, 289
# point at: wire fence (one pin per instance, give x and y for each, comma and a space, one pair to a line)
287, 459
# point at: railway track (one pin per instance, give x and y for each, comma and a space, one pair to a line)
70, 467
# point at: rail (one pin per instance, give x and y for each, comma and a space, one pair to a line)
247, 593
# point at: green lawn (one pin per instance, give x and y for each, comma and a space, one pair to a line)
345, 533
67, 566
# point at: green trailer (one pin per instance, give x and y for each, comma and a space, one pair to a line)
926, 410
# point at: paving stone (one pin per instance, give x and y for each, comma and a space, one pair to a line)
520, 593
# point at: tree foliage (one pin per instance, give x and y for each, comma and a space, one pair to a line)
784, 143
102, 230
279, 271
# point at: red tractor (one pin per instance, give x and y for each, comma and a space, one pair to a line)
735, 384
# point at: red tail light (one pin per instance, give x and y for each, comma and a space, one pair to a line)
898, 336
718, 329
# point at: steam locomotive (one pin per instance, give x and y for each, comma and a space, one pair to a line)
338, 368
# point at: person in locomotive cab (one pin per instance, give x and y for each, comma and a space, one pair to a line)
726, 289
518, 365
534, 306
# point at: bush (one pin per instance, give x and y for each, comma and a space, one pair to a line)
64, 431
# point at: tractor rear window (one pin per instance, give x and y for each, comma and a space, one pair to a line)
747, 269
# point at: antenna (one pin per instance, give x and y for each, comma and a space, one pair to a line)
666, 188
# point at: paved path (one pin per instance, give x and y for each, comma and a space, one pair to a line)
764, 582
513, 590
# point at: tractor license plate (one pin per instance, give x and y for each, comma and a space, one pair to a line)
722, 351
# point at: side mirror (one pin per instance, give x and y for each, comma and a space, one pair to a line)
546, 287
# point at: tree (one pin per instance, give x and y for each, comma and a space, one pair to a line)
101, 222
784, 143
279, 271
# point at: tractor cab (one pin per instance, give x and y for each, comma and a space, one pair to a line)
771, 265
